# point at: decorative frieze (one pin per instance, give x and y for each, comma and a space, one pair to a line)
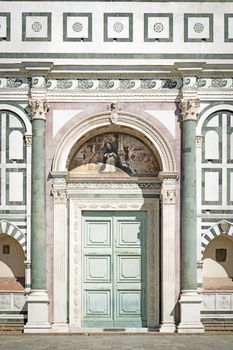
189, 109
38, 108
113, 186
115, 84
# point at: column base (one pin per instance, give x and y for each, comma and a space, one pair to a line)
60, 327
37, 302
190, 312
167, 327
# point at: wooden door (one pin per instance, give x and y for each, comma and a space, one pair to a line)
114, 269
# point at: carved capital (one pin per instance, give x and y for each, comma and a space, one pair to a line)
189, 109
28, 139
38, 108
60, 195
168, 196
199, 140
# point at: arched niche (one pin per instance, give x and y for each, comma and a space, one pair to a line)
12, 269
218, 264
114, 152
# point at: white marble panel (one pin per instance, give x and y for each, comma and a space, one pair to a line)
198, 28
166, 117
118, 27
211, 145
214, 121
36, 26
230, 27
158, 27
231, 186
16, 187
3, 27
211, 186
16, 145
77, 27
61, 117
14, 122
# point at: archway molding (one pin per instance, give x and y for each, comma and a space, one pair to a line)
19, 112
134, 122
223, 227
210, 110
10, 229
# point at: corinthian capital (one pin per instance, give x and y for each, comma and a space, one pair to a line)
38, 108
189, 109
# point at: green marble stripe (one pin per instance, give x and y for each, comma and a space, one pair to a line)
67, 1
123, 56
213, 232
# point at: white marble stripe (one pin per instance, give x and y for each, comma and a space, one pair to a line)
10, 229
17, 234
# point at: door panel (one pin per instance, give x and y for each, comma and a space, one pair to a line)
114, 269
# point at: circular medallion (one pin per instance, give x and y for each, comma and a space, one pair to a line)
36, 27
77, 27
198, 27
158, 27
118, 27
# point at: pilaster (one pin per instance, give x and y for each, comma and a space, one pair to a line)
190, 300
37, 300
168, 206
28, 142
60, 291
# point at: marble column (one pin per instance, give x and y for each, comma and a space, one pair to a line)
168, 292
37, 300
60, 265
190, 300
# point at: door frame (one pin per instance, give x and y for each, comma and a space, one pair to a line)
131, 198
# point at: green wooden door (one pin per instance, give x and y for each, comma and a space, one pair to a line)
114, 269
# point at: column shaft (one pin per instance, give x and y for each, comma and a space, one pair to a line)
38, 205
189, 246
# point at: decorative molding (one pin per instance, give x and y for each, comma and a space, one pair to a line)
103, 84
113, 186
151, 206
223, 227
114, 84
189, 109
38, 108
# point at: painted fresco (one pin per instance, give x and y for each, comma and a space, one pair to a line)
114, 154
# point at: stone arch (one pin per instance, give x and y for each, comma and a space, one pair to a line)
10, 229
222, 227
133, 122
208, 111
19, 112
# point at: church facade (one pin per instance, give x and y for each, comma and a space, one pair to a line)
116, 165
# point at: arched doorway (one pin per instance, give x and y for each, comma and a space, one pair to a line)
113, 178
